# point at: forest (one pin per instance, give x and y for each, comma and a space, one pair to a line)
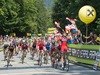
35, 16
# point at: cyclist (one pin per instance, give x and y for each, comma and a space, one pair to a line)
24, 46
64, 48
15, 43
33, 47
53, 54
34, 44
11, 49
48, 48
5, 47
41, 46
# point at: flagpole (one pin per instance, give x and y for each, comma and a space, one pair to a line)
86, 33
62, 29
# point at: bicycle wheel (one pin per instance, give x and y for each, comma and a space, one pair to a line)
40, 60
23, 58
45, 59
8, 60
52, 64
56, 65
32, 54
53, 61
67, 64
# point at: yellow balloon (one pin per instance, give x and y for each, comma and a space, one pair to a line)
87, 14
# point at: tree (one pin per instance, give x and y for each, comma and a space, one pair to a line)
42, 17
22, 16
8, 15
70, 8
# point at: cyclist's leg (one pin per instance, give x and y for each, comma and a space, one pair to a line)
11, 54
20, 51
23, 55
45, 57
4, 52
48, 52
17, 49
31, 48
38, 51
25, 52
51, 55
62, 55
14, 50
31, 52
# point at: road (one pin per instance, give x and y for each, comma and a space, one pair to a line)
30, 67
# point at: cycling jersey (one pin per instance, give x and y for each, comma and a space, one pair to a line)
59, 46
11, 48
34, 45
64, 44
24, 46
48, 46
41, 45
53, 46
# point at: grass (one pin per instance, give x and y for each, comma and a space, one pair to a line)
82, 60
87, 47
0, 49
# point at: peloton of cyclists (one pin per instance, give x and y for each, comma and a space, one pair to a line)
53, 45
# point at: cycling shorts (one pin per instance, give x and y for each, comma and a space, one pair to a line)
63, 48
11, 48
52, 49
59, 48
48, 48
24, 46
40, 48
34, 47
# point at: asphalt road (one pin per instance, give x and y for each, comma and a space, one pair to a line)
30, 67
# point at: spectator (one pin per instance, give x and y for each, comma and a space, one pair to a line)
75, 39
94, 39
69, 39
79, 37
89, 37
98, 40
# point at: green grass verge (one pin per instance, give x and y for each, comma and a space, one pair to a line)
0, 49
87, 47
82, 60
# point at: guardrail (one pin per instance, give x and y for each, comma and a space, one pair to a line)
83, 53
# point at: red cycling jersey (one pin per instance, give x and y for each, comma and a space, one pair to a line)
64, 44
41, 45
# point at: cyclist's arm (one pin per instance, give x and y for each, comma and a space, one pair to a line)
44, 47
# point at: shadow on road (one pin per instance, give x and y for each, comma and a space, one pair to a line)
28, 67
74, 70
